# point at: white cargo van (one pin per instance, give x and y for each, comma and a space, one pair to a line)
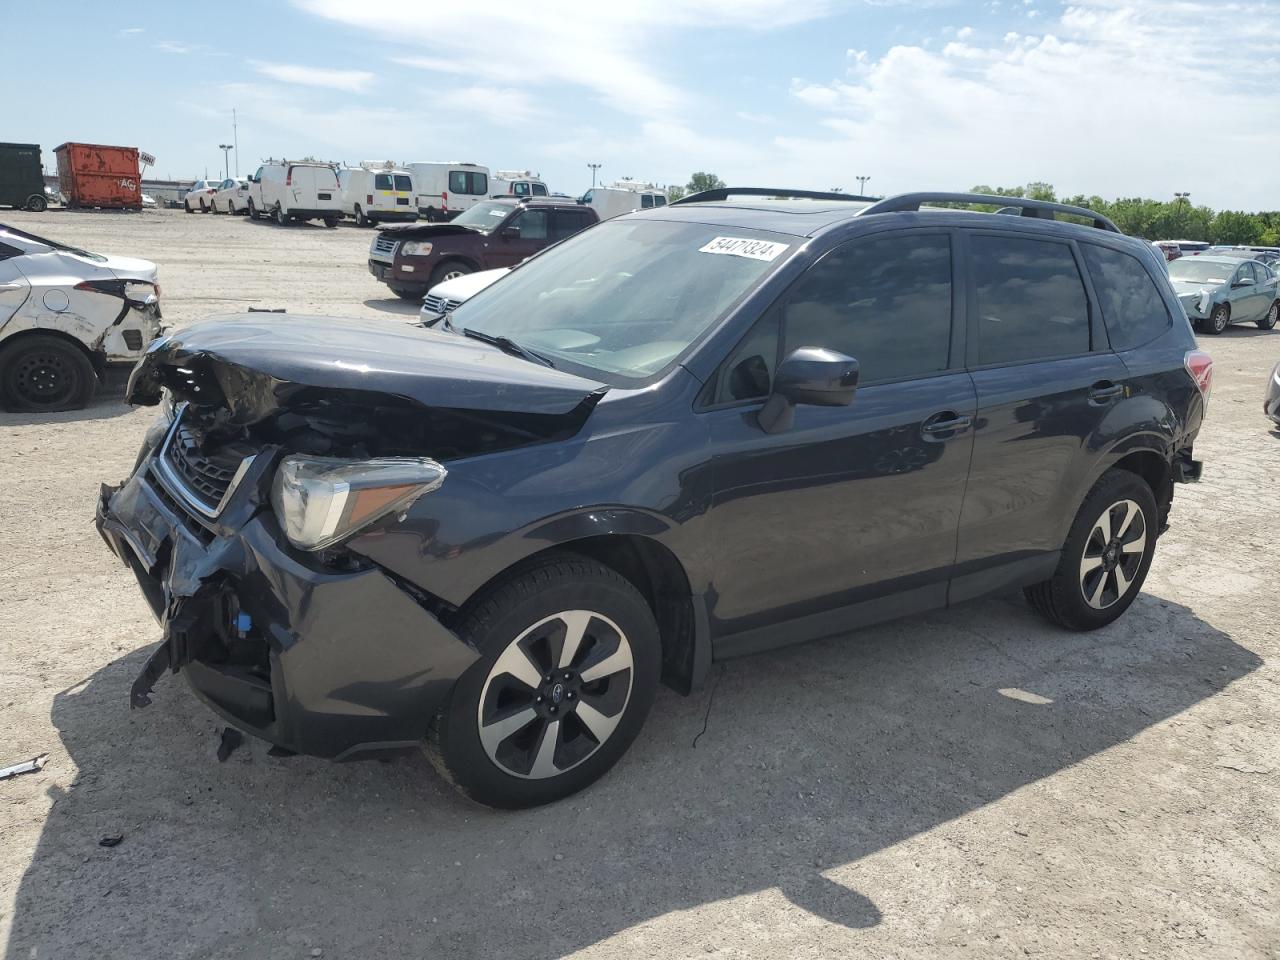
375, 193
517, 183
443, 190
290, 190
623, 196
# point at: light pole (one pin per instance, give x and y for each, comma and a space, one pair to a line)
862, 185
1180, 197
594, 167
226, 149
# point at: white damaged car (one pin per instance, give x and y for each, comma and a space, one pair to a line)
65, 315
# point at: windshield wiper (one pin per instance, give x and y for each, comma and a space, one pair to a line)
507, 345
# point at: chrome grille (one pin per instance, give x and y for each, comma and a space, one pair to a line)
432, 304
385, 245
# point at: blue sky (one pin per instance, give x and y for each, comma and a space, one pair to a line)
1116, 97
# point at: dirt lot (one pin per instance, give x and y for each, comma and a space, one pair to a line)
870, 796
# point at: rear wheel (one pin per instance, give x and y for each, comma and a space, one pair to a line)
568, 669
37, 203
1106, 555
204, 207
449, 270
361, 219
331, 222
1269, 321
1219, 317
43, 374
282, 218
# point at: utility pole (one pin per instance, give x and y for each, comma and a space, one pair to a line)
594, 167
226, 149
862, 185
235, 138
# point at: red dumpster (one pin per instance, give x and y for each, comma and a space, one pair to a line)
94, 175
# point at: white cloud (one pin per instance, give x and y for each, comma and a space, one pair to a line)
606, 49
1111, 97
352, 81
129, 31
964, 33
173, 46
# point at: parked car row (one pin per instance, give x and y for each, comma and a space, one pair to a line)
1218, 289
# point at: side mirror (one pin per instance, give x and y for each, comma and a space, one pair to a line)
812, 375
1243, 282
510, 233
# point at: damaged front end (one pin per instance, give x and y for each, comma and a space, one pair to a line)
235, 524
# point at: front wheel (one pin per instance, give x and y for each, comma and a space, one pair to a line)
1268, 322
449, 270
44, 374
568, 669
37, 203
1219, 317
331, 222
187, 207
1106, 555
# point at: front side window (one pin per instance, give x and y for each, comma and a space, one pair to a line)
532, 224
1132, 307
1030, 299
885, 302
622, 301
382, 181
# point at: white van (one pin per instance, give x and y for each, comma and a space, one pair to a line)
623, 196
517, 183
290, 190
443, 190
375, 193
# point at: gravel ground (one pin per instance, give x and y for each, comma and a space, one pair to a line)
880, 795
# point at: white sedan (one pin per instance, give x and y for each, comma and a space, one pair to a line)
232, 196
65, 314
446, 295
198, 196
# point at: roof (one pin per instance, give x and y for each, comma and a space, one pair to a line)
800, 218
1217, 258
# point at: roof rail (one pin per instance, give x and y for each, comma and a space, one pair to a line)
724, 193
1043, 209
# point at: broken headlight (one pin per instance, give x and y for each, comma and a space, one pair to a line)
321, 500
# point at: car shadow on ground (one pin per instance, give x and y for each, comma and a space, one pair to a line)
405, 308
813, 758
105, 405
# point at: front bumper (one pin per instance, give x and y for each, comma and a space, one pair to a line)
402, 273
336, 664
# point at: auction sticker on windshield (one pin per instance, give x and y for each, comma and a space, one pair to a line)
765, 250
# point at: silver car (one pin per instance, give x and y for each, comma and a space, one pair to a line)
1271, 405
1217, 291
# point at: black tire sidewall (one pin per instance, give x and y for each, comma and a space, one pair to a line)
85, 384
437, 275
460, 748
1267, 323
1112, 487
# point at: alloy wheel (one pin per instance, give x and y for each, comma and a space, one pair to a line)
1113, 554
555, 694
454, 274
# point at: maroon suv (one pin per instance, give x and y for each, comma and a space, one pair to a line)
494, 233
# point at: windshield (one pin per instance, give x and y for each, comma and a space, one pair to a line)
1196, 270
483, 216
627, 297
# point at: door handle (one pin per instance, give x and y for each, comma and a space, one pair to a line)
1104, 391
944, 426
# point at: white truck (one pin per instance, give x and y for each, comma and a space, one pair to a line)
517, 183
623, 196
443, 189
289, 190
375, 193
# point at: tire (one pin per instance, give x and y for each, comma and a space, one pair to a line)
1097, 579
186, 206
1268, 322
1219, 319
449, 270
204, 207
44, 374
361, 219
37, 204
253, 211
282, 218
331, 222
409, 293
535, 610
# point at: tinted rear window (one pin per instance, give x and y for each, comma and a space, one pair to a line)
466, 181
403, 182
1132, 307
1031, 300
382, 181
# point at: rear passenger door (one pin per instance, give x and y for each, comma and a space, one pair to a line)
565, 223
1045, 378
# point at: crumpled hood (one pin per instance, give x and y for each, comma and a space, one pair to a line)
261, 360
131, 268
417, 231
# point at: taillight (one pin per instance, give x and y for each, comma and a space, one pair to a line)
288, 178
368, 198
1200, 365
444, 200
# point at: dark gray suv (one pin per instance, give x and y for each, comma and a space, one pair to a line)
685, 434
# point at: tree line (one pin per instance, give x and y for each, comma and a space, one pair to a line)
1150, 219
